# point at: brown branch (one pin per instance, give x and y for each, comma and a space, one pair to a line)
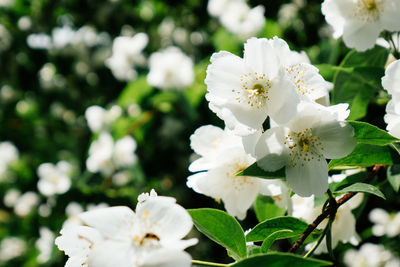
331, 209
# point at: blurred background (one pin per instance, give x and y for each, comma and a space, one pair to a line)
98, 99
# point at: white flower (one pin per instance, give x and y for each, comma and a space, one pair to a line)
99, 118
370, 255
11, 247
343, 227
151, 236
361, 21
26, 203
243, 92
11, 197
45, 244
302, 145
241, 20
126, 53
170, 69
385, 223
222, 156
54, 179
106, 157
217, 7
77, 242
8, 154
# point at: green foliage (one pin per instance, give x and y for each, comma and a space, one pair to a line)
370, 134
364, 155
358, 79
262, 230
134, 92
280, 260
266, 244
393, 175
265, 208
362, 187
222, 228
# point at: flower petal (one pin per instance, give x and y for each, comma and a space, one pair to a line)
111, 222
312, 178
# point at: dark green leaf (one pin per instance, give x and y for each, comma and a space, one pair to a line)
365, 188
393, 175
363, 155
280, 260
358, 78
222, 228
272, 237
266, 228
328, 238
265, 208
255, 171
370, 134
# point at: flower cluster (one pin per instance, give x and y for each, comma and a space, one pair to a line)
270, 81
117, 236
390, 82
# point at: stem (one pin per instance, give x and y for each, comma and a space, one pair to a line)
207, 263
317, 243
330, 210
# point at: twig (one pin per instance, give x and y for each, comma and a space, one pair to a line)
330, 210
207, 263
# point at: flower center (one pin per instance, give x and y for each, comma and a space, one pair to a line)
303, 147
237, 166
368, 10
254, 89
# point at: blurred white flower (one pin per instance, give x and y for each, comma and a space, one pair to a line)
126, 54
343, 227
5, 38
99, 118
390, 83
11, 197
39, 41
170, 69
106, 157
370, 255
241, 20
303, 144
54, 179
217, 7
11, 247
61, 37
8, 154
45, 245
222, 156
26, 203
243, 92
361, 21
385, 223
118, 236
6, 3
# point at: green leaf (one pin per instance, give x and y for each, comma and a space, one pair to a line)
357, 86
358, 78
370, 134
393, 175
255, 171
253, 250
327, 71
265, 208
272, 237
364, 155
134, 92
280, 260
222, 228
362, 187
329, 238
266, 228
